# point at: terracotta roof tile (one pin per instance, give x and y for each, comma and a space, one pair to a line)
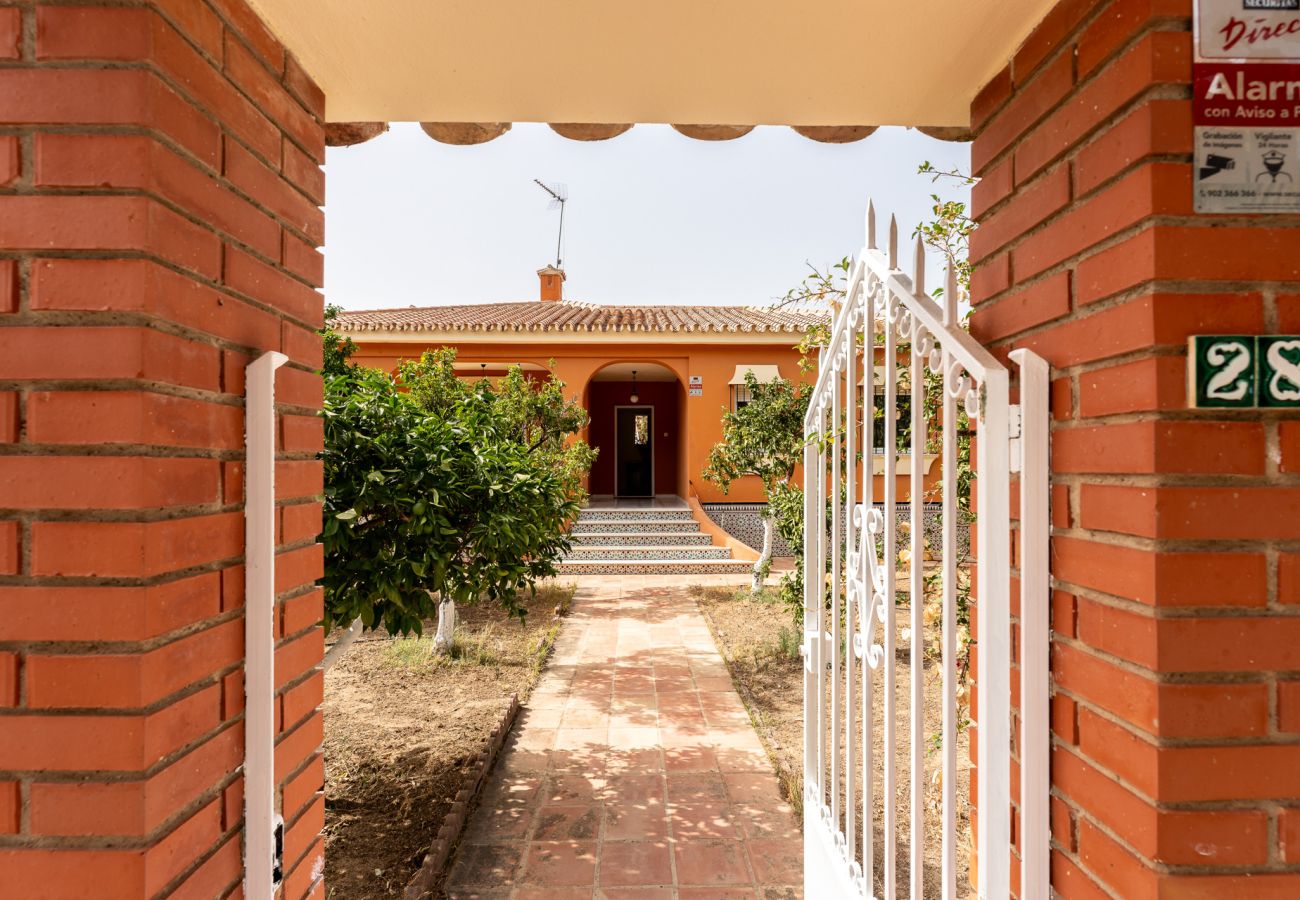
569, 315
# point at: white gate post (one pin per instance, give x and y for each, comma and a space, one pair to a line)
262, 830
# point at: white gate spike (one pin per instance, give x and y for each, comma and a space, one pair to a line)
918, 282
847, 662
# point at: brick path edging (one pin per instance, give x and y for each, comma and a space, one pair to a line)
421, 886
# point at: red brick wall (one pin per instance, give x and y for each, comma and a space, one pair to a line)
159, 191
1176, 637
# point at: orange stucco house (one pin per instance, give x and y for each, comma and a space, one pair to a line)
689, 364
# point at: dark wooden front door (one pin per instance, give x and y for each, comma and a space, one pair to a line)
635, 453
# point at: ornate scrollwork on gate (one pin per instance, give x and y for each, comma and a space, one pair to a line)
865, 585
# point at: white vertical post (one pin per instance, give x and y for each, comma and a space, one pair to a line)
916, 593
869, 544
890, 663
811, 615
948, 630
993, 523
1035, 703
850, 535
836, 546
260, 872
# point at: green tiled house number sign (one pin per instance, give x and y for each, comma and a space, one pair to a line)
1242, 371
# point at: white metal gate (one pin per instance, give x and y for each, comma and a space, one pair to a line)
880, 622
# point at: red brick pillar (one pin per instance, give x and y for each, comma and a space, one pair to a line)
1176, 609
159, 191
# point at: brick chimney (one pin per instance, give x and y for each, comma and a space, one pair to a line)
552, 284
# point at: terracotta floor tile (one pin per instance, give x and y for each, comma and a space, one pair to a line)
709, 683
568, 788
644, 822
635, 893
576, 822
587, 761
711, 863
635, 789
733, 759
704, 893
634, 738
560, 863
552, 893
512, 789
777, 862
534, 739
495, 824
696, 787
752, 787
690, 759
489, 865
596, 739
702, 820
627, 863
767, 822
630, 762
584, 718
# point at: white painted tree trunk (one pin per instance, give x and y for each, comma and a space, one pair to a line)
342, 644
442, 639
765, 558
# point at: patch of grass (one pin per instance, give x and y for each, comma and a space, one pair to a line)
413, 652
480, 644
788, 643
473, 649
766, 596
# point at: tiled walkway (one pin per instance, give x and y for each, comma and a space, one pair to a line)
634, 770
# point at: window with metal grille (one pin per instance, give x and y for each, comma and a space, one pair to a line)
739, 397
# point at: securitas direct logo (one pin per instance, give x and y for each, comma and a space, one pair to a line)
1270, 4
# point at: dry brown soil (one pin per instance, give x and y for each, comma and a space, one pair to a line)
759, 642
402, 728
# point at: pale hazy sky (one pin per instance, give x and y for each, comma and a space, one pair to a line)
653, 217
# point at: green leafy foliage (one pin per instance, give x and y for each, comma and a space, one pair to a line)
763, 438
451, 488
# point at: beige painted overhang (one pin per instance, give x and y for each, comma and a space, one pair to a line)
724, 62
765, 373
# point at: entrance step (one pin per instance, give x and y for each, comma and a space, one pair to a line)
638, 515
640, 538
586, 552
632, 526
655, 567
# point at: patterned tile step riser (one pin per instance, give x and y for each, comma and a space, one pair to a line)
642, 515
657, 567
614, 527
639, 553
641, 539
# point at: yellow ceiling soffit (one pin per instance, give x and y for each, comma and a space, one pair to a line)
726, 62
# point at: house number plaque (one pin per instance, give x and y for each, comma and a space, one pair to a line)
1243, 371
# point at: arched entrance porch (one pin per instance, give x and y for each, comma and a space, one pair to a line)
637, 424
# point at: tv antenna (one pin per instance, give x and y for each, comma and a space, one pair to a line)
559, 196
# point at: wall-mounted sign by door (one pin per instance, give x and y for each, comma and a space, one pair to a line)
1246, 106
1243, 371
697, 386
